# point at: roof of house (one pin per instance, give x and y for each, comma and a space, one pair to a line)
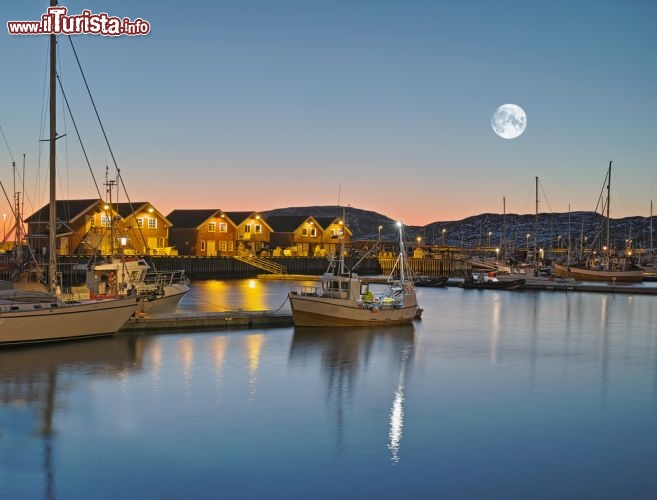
287, 223
66, 210
188, 219
238, 217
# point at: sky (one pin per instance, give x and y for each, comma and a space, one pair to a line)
381, 105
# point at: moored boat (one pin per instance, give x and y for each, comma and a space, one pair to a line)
483, 282
42, 317
342, 299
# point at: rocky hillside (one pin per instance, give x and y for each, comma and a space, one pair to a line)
553, 228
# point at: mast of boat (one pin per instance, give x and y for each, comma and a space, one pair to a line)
402, 253
608, 203
536, 230
502, 239
650, 251
52, 220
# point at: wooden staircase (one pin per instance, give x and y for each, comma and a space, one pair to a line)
264, 264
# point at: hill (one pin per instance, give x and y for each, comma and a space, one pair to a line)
487, 229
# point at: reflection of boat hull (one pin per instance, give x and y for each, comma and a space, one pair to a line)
582, 273
321, 311
51, 321
494, 285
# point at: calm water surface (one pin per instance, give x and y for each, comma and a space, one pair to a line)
491, 395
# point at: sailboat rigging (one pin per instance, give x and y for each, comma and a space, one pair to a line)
44, 317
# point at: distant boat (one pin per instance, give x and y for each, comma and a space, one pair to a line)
430, 281
342, 299
483, 282
32, 316
602, 264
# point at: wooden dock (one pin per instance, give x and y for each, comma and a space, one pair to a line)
205, 321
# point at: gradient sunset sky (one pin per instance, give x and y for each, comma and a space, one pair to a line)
381, 105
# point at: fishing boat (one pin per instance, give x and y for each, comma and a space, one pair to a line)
30, 316
160, 291
602, 264
342, 299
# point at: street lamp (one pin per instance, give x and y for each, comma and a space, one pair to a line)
497, 254
490, 233
380, 227
442, 237
559, 241
528, 235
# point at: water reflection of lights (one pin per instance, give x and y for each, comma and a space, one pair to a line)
252, 283
397, 411
156, 361
254, 347
187, 353
495, 333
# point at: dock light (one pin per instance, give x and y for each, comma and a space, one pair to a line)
106, 207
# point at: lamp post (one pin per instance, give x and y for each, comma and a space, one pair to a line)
497, 254
528, 235
490, 233
380, 227
442, 237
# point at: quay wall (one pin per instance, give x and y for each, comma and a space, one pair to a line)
226, 267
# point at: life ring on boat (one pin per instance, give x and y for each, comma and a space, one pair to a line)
375, 309
376, 299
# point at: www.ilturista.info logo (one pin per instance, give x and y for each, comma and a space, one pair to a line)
57, 22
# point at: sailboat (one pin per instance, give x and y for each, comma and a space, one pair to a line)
603, 265
32, 316
342, 298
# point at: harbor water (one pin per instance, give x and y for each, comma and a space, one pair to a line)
491, 395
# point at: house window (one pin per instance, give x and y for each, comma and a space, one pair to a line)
313, 232
160, 243
304, 231
257, 229
333, 234
212, 227
202, 245
152, 223
247, 228
222, 246
105, 220
230, 246
223, 227
140, 222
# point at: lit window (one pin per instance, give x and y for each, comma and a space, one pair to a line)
105, 220
230, 246
212, 227
313, 232
247, 228
152, 223
257, 229
223, 227
222, 245
140, 222
160, 243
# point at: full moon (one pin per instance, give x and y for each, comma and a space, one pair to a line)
509, 121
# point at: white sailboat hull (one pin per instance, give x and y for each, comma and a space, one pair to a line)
47, 322
322, 311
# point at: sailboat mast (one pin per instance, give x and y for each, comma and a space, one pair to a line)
536, 225
52, 221
608, 208
650, 226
